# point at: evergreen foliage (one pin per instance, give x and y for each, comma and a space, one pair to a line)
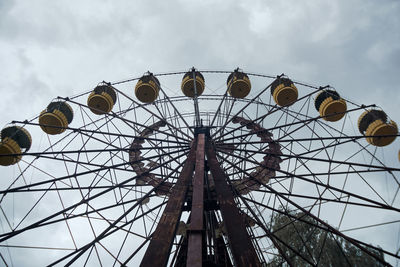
301, 232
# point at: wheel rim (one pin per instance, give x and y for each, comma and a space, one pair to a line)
317, 173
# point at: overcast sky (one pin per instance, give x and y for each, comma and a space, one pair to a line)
61, 48
51, 48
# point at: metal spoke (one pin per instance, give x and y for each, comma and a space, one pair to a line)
200, 181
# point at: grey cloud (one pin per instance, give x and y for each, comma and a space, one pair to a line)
51, 48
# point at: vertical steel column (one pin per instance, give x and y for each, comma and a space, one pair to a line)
196, 102
221, 251
158, 251
196, 227
239, 240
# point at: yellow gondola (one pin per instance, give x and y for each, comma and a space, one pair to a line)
238, 84
56, 117
187, 85
374, 124
14, 140
330, 105
284, 91
102, 99
147, 88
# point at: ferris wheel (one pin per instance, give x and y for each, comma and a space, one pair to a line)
141, 171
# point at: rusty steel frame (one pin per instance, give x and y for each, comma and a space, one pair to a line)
157, 253
241, 246
195, 231
200, 245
